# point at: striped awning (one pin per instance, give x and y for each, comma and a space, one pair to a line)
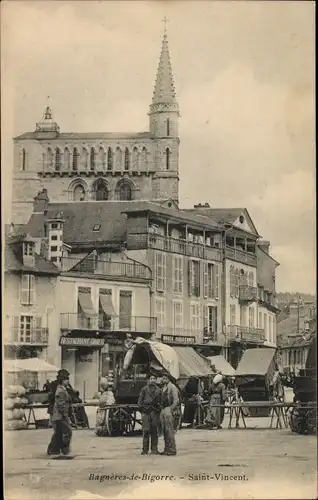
107, 304
85, 303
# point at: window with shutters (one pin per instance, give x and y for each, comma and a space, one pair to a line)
270, 332
160, 271
216, 281
236, 283
251, 278
29, 328
27, 289
232, 281
265, 324
195, 318
177, 318
26, 323
194, 278
260, 320
210, 322
161, 314
177, 274
232, 314
251, 316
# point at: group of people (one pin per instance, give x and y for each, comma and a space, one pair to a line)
158, 404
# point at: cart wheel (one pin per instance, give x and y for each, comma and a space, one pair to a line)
130, 421
114, 422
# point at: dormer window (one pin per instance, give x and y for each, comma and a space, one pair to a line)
28, 249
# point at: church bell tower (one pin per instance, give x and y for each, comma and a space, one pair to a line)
164, 128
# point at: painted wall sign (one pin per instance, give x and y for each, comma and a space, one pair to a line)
81, 342
177, 339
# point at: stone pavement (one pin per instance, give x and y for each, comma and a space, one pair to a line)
239, 463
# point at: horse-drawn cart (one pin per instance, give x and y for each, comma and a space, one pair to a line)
257, 379
143, 356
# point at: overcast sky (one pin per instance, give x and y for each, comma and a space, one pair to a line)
244, 75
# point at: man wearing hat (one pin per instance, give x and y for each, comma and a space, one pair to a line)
149, 403
51, 397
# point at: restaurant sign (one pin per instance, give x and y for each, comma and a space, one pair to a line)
81, 342
177, 339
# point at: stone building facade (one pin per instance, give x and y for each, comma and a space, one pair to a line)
102, 166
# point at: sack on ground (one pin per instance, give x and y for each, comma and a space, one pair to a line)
18, 414
8, 415
16, 425
17, 402
9, 404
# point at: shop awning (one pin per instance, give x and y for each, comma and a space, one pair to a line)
222, 365
86, 304
107, 305
35, 365
191, 363
257, 362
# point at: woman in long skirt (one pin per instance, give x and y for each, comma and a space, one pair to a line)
215, 413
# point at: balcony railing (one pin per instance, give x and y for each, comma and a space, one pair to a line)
32, 336
240, 256
174, 245
97, 322
247, 293
245, 333
107, 268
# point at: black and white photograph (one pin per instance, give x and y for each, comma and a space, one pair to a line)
159, 331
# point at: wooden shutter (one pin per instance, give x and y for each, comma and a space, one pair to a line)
24, 292
205, 280
190, 274
216, 281
31, 289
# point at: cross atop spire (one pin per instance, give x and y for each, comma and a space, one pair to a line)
164, 91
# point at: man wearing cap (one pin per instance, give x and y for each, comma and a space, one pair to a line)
51, 397
149, 403
170, 403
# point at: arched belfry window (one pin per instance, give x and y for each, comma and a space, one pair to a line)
92, 159
79, 193
123, 191
127, 159
101, 158
109, 159
135, 158
144, 158
57, 159
168, 127
167, 158
101, 191
67, 159
23, 159
49, 157
119, 159
75, 159
85, 158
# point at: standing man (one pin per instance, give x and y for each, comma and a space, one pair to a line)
51, 397
61, 410
149, 403
170, 402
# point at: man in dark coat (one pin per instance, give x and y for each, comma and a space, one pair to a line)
149, 403
51, 397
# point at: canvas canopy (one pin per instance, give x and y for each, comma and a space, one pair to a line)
158, 355
222, 365
257, 362
35, 365
10, 366
191, 363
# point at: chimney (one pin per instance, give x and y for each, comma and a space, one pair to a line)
41, 201
264, 245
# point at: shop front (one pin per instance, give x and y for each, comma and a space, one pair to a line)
81, 357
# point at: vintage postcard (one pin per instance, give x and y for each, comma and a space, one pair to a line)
159, 326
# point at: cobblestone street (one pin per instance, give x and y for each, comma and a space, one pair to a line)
259, 463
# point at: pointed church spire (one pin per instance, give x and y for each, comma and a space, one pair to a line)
164, 90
